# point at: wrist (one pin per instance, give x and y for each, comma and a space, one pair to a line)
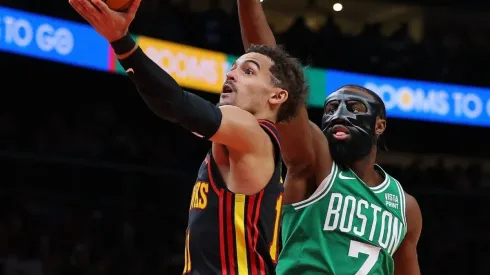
123, 45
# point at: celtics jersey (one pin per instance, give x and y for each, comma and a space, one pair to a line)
344, 228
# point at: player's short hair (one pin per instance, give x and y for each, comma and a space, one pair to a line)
287, 73
374, 95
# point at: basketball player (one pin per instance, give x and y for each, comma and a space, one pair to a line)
343, 214
235, 209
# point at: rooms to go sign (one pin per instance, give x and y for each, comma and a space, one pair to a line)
191, 67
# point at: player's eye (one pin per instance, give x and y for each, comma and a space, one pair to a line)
356, 107
331, 109
249, 72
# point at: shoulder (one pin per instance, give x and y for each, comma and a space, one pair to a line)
271, 129
414, 217
240, 131
413, 213
406, 258
233, 111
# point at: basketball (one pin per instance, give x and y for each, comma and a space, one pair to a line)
119, 5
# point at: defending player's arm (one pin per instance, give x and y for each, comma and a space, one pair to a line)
253, 24
298, 135
406, 259
226, 125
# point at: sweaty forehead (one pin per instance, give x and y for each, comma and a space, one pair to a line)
262, 60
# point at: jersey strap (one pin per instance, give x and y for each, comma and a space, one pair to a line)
271, 129
402, 201
322, 190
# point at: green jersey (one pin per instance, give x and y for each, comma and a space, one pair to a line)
344, 228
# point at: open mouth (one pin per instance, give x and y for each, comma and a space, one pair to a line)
340, 132
227, 88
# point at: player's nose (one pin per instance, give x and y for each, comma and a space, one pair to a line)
231, 75
338, 121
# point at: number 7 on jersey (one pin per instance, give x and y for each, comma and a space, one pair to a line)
356, 248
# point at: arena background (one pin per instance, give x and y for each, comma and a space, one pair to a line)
93, 183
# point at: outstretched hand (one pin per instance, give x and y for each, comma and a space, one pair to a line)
110, 24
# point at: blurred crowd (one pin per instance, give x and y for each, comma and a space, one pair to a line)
98, 132
94, 196
58, 236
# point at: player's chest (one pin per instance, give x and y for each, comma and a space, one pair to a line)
362, 217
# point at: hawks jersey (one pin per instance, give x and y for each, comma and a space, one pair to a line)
231, 233
345, 227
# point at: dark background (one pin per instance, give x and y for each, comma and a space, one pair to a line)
93, 183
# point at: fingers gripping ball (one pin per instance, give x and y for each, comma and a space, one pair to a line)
119, 5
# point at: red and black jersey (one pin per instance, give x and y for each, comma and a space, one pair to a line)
234, 234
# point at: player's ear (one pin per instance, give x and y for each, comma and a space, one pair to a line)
380, 126
278, 96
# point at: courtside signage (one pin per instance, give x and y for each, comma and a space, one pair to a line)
52, 39
421, 100
79, 45
191, 67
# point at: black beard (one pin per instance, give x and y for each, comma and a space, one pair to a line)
346, 152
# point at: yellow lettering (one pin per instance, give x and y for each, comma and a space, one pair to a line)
190, 67
193, 196
199, 198
187, 254
203, 202
275, 238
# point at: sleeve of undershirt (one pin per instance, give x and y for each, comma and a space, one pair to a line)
168, 100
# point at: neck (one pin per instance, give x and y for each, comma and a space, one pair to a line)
269, 117
364, 169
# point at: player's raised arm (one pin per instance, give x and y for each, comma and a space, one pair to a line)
253, 24
227, 125
231, 126
297, 134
